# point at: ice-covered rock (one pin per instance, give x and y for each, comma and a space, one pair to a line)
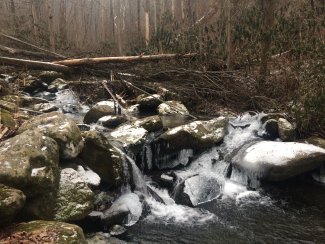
276, 161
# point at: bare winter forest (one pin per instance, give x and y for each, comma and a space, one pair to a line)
260, 43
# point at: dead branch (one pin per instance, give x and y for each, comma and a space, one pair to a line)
123, 59
31, 45
38, 65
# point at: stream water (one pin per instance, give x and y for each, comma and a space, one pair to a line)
227, 209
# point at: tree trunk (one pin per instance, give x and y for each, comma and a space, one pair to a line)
147, 22
35, 19
228, 33
13, 15
63, 21
51, 25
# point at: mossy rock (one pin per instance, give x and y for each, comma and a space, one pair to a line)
29, 162
4, 88
12, 107
44, 232
100, 156
11, 202
59, 127
7, 119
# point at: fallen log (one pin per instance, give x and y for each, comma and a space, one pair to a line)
123, 59
15, 51
35, 64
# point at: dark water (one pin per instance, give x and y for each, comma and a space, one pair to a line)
290, 212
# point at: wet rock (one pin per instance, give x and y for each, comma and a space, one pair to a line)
116, 214
48, 96
11, 202
29, 162
111, 121
45, 107
50, 76
275, 116
103, 200
9, 106
276, 161
100, 156
134, 109
126, 210
172, 107
271, 128
31, 84
151, 123
103, 238
23, 101
196, 190
7, 119
177, 145
57, 85
43, 232
149, 103
62, 129
166, 181
319, 174
73, 200
100, 110
83, 127
287, 131
117, 230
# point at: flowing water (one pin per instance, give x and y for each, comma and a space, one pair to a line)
229, 206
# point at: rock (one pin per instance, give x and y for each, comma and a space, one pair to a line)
74, 199
57, 85
100, 156
176, 146
7, 119
319, 174
111, 121
43, 232
84, 127
48, 96
172, 107
317, 141
31, 84
11, 202
166, 181
117, 230
115, 215
271, 128
127, 210
62, 129
103, 238
71, 201
276, 161
275, 116
134, 109
29, 162
149, 103
286, 130
151, 123
89, 176
50, 76
100, 110
9, 106
45, 107
103, 200
196, 190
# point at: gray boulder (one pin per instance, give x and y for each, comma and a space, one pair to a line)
100, 110
45, 107
111, 121
62, 129
149, 103
57, 85
29, 162
11, 202
287, 131
9, 106
100, 156
276, 161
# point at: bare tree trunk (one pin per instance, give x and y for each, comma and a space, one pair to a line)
228, 33
112, 17
147, 22
35, 19
13, 15
63, 21
268, 8
51, 25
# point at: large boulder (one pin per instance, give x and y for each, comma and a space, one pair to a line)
43, 232
177, 145
276, 161
29, 162
11, 202
100, 156
72, 200
172, 108
100, 110
62, 129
